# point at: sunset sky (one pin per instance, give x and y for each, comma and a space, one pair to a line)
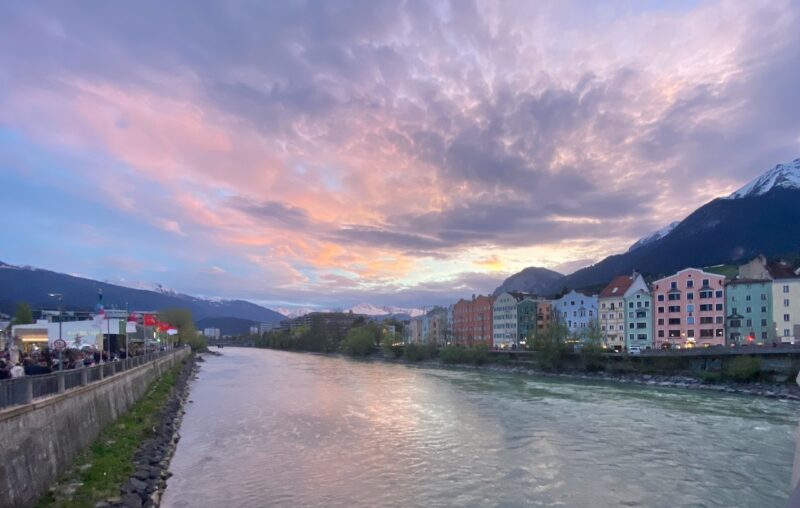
320, 154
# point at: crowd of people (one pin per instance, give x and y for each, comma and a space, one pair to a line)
15, 362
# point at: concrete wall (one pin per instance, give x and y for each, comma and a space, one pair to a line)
39, 441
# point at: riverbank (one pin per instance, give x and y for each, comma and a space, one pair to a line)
785, 391
127, 465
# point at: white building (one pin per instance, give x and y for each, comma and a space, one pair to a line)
212, 333
785, 294
76, 334
505, 322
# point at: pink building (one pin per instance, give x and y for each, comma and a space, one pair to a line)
689, 309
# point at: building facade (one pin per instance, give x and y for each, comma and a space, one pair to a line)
639, 320
578, 312
505, 328
749, 312
437, 326
785, 295
472, 321
690, 309
612, 308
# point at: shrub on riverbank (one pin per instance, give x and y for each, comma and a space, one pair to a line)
419, 352
359, 341
477, 354
744, 368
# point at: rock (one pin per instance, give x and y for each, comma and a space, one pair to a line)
137, 485
130, 501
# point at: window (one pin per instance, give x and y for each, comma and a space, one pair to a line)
630, 305
690, 320
641, 326
674, 334
660, 298
661, 333
638, 305
661, 310
689, 283
786, 317
749, 322
660, 321
763, 309
763, 322
786, 288
734, 311
764, 335
674, 296
690, 307
674, 321
764, 296
705, 307
705, 282
673, 285
719, 320
602, 305
674, 308
690, 296
630, 336
719, 306
733, 298
705, 294
630, 325
786, 302
641, 336
720, 332
749, 310
646, 304
718, 294
707, 332
747, 297
735, 323
786, 332
630, 315
706, 320
603, 316
641, 314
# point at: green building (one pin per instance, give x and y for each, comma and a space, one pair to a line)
526, 320
749, 312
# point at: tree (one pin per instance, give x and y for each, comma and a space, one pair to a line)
24, 316
359, 341
183, 321
550, 346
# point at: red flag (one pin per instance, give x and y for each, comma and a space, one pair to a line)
162, 327
132, 317
149, 320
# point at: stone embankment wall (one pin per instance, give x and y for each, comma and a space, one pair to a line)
39, 441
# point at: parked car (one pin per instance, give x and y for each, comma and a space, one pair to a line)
634, 350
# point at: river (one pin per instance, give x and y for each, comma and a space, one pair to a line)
272, 428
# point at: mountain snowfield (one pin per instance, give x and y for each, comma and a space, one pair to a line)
658, 235
786, 176
369, 309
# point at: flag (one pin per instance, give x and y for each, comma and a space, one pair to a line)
172, 331
130, 327
149, 320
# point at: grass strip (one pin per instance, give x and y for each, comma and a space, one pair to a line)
98, 473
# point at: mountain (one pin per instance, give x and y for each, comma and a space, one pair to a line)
369, 309
227, 325
784, 176
658, 235
761, 217
33, 285
294, 312
533, 279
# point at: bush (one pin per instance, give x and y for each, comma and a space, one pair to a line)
744, 368
479, 354
592, 358
415, 352
359, 341
711, 377
452, 354
389, 348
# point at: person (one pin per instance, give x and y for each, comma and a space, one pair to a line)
17, 371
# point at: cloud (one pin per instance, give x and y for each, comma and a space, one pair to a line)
362, 148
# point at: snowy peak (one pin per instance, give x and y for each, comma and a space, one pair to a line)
369, 309
658, 235
293, 312
785, 176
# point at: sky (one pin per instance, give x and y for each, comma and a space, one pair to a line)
320, 154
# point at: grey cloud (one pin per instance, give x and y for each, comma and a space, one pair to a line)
272, 212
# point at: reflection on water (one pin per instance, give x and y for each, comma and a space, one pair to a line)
273, 428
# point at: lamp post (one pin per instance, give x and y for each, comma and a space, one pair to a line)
60, 320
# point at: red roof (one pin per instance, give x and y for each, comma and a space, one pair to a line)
781, 270
617, 286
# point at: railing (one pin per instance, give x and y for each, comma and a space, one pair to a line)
25, 389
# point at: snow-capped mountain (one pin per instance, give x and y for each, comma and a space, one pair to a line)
786, 176
369, 309
658, 235
293, 312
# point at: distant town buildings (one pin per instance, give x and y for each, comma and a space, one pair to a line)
472, 321
612, 311
577, 311
212, 333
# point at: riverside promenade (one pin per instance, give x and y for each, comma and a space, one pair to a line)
48, 420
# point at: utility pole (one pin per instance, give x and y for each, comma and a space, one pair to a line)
60, 321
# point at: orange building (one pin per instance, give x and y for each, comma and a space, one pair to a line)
472, 321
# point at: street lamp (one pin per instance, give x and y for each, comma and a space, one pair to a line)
60, 320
